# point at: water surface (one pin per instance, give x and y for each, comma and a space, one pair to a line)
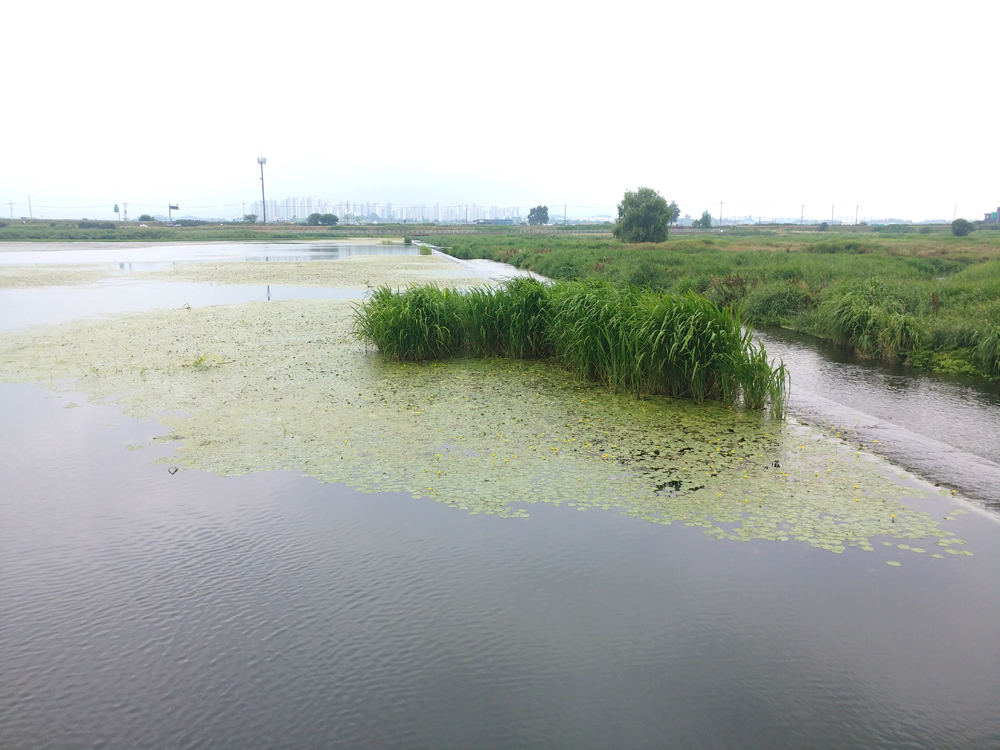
140, 608
161, 255
944, 427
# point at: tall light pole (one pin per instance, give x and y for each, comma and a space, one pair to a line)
263, 203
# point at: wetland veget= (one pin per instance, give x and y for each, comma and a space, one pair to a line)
631, 340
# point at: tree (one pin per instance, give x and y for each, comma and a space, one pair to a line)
538, 215
705, 222
961, 227
675, 212
250, 218
324, 219
644, 216
145, 217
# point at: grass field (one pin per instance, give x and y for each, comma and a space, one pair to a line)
927, 300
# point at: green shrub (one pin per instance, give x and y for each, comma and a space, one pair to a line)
961, 227
839, 246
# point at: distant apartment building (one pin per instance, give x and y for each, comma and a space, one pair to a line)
298, 209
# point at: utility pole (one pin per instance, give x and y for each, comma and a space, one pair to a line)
954, 213
720, 213
11, 204
30, 216
263, 202
802, 216
831, 213
125, 211
856, 215
564, 214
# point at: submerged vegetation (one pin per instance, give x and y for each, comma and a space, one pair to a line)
925, 300
630, 340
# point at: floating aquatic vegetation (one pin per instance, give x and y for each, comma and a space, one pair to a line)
289, 389
357, 272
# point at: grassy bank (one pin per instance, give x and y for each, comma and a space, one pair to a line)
927, 300
632, 341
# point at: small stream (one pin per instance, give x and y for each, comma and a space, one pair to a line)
944, 428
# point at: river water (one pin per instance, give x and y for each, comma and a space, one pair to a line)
144, 608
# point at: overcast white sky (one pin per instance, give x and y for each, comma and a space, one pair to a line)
766, 106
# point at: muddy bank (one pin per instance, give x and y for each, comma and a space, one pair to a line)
29, 277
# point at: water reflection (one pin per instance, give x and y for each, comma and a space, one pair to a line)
157, 256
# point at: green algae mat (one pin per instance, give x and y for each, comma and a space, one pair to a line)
282, 385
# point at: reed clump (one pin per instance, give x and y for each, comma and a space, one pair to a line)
631, 340
424, 322
512, 320
870, 318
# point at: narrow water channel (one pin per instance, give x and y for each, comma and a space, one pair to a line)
945, 428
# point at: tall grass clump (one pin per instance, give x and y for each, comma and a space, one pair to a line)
776, 303
630, 340
424, 322
871, 319
511, 320
988, 351
683, 346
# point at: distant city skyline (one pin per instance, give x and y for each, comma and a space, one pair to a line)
298, 208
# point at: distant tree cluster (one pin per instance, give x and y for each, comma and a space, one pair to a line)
705, 222
962, 227
322, 219
538, 215
644, 216
250, 218
146, 217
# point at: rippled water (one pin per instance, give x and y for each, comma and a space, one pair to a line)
140, 608
144, 609
945, 428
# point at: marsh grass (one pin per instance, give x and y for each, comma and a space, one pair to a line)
988, 350
512, 320
423, 322
872, 319
630, 340
945, 289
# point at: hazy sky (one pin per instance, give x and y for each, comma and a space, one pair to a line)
766, 106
